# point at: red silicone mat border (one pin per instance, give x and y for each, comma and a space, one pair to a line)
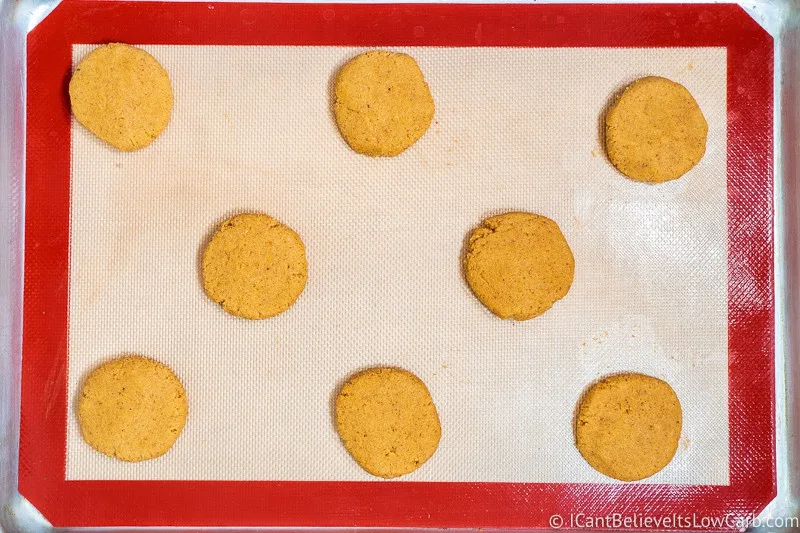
218, 503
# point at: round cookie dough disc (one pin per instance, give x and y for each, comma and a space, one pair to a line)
132, 408
121, 94
382, 103
518, 265
387, 421
655, 131
254, 266
628, 426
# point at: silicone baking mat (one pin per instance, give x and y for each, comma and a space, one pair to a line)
673, 281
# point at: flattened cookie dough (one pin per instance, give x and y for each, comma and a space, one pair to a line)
382, 103
121, 94
132, 408
519, 264
628, 426
254, 267
655, 131
387, 421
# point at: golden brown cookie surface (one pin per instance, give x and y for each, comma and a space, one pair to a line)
121, 94
387, 421
655, 131
254, 266
628, 426
382, 103
132, 408
519, 264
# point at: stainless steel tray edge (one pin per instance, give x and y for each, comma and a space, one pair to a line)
787, 269
12, 149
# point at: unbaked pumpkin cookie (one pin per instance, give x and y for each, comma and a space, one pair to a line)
628, 426
121, 94
387, 421
519, 264
132, 408
254, 266
655, 131
382, 103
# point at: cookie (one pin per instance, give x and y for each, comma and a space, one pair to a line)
132, 408
387, 421
628, 426
655, 131
254, 266
518, 265
382, 103
121, 94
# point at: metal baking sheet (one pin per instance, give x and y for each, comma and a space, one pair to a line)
761, 468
